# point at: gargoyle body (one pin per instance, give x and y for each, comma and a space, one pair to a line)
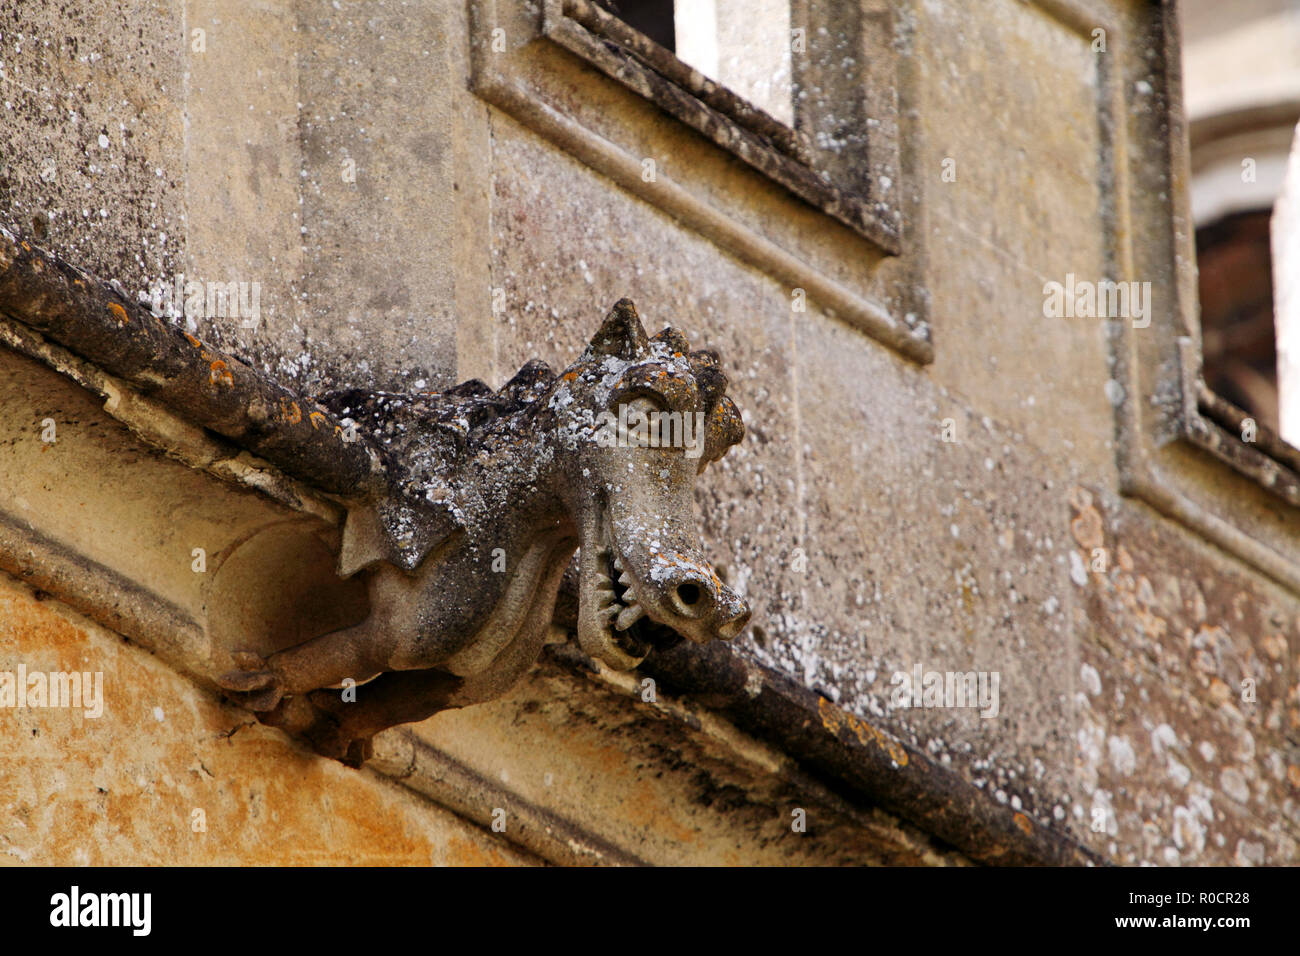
488, 495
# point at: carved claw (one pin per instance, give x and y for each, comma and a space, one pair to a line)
248, 661
313, 717
246, 681
258, 699
330, 738
359, 751
254, 686
294, 715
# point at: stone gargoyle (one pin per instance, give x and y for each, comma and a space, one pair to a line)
488, 495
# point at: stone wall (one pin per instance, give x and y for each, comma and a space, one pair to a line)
973, 513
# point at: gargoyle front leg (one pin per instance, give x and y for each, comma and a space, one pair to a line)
342, 729
356, 652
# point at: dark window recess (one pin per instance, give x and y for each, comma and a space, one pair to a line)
1238, 343
654, 18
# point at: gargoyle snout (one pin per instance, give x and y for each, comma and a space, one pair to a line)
705, 608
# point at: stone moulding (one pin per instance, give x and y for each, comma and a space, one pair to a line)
871, 762
560, 15
771, 147
66, 321
166, 364
1215, 424
507, 87
1165, 403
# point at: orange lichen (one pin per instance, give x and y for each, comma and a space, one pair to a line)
219, 374
119, 313
835, 720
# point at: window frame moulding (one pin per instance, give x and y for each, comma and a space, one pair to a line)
780, 152
515, 53
1216, 425
1169, 425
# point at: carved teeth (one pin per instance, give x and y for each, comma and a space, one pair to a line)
618, 563
603, 583
625, 579
629, 616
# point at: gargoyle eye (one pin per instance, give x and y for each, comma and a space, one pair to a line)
639, 400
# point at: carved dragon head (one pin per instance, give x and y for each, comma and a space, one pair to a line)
602, 458
641, 418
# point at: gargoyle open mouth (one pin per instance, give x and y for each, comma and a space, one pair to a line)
620, 612
614, 619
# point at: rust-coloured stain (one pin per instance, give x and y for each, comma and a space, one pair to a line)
115, 795
835, 720
1022, 821
119, 313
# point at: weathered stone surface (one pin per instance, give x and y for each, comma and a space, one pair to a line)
1121, 689
1027, 206
123, 788
951, 561
1187, 701
73, 73
669, 782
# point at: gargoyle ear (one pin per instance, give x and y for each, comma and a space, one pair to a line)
723, 428
622, 333
712, 385
709, 377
